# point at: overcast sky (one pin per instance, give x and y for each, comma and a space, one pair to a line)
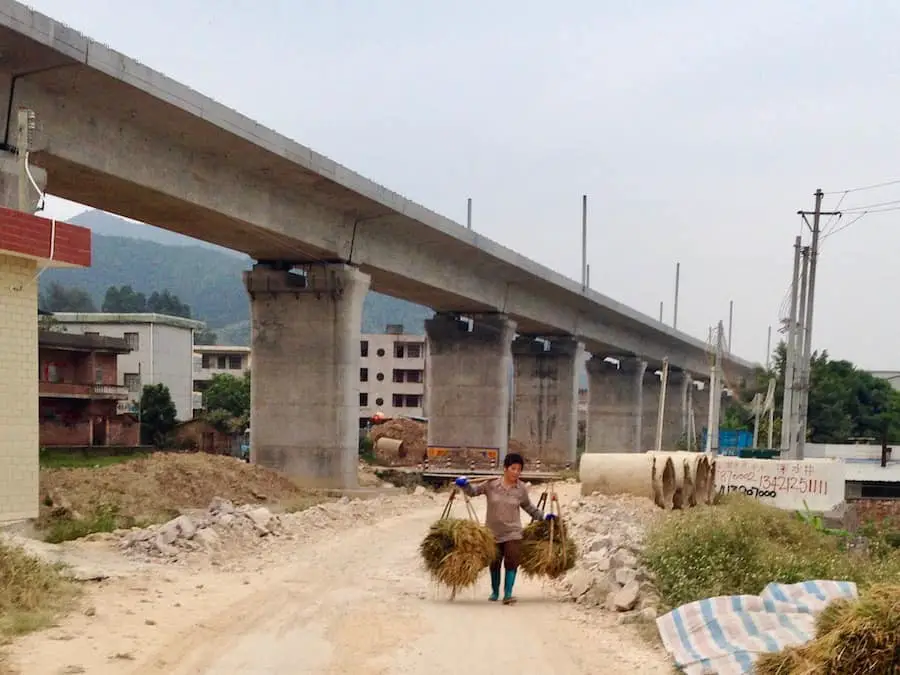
698, 129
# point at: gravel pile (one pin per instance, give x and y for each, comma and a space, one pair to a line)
609, 532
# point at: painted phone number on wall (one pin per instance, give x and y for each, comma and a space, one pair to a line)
768, 483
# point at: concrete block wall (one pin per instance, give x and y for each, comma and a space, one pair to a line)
18, 389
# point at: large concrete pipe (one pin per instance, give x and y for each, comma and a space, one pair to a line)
685, 474
389, 449
711, 483
613, 473
665, 477
702, 480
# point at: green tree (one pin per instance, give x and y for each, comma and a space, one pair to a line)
844, 402
124, 300
227, 402
167, 303
158, 415
205, 336
59, 298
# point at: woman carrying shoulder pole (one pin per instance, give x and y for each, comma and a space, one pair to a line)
505, 496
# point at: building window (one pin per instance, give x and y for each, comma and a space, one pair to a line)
222, 362
93, 332
380, 352
413, 401
380, 377
133, 382
414, 350
234, 362
133, 340
398, 400
398, 375
363, 374
414, 376
98, 376
207, 361
379, 401
364, 348
398, 350
363, 400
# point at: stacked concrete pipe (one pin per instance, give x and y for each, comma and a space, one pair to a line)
651, 475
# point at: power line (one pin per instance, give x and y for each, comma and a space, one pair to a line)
869, 207
865, 187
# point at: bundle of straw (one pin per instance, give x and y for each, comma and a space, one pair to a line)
859, 636
456, 551
547, 549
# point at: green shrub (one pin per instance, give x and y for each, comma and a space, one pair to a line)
740, 545
105, 519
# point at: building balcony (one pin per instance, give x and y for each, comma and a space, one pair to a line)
113, 392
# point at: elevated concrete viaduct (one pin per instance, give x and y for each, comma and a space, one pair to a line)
118, 136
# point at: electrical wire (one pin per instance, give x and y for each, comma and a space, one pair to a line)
865, 187
869, 207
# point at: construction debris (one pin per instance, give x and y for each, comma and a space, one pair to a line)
226, 527
413, 442
609, 533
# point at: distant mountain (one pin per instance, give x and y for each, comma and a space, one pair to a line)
205, 276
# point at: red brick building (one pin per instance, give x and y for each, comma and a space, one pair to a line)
78, 393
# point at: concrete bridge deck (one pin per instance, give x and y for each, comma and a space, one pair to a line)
118, 136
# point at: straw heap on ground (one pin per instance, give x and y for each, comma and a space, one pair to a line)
456, 551
859, 636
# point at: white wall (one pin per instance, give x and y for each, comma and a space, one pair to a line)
862, 462
173, 352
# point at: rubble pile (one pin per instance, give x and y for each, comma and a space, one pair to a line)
223, 525
609, 532
201, 532
413, 434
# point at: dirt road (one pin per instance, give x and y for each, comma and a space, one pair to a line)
350, 602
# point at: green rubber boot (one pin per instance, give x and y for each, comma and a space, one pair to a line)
495, 585
508, 582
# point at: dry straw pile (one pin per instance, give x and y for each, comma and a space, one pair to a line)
853, 637
547, 549
456, 551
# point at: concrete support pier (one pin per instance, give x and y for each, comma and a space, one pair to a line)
545, 399
467, 382
305, 385
615, 408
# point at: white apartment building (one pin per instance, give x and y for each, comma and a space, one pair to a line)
162, 350
391, 374
211, 360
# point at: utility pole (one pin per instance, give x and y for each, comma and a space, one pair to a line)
583, 243
787, 406
799, 345
810, 305
677, 282
730, 322
715, 395
660, 414
769, 351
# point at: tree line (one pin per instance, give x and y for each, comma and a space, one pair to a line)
120, 300
845, 402
226, 403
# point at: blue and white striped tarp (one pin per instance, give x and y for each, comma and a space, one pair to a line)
724, 635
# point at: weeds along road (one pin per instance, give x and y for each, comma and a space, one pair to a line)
350, 602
